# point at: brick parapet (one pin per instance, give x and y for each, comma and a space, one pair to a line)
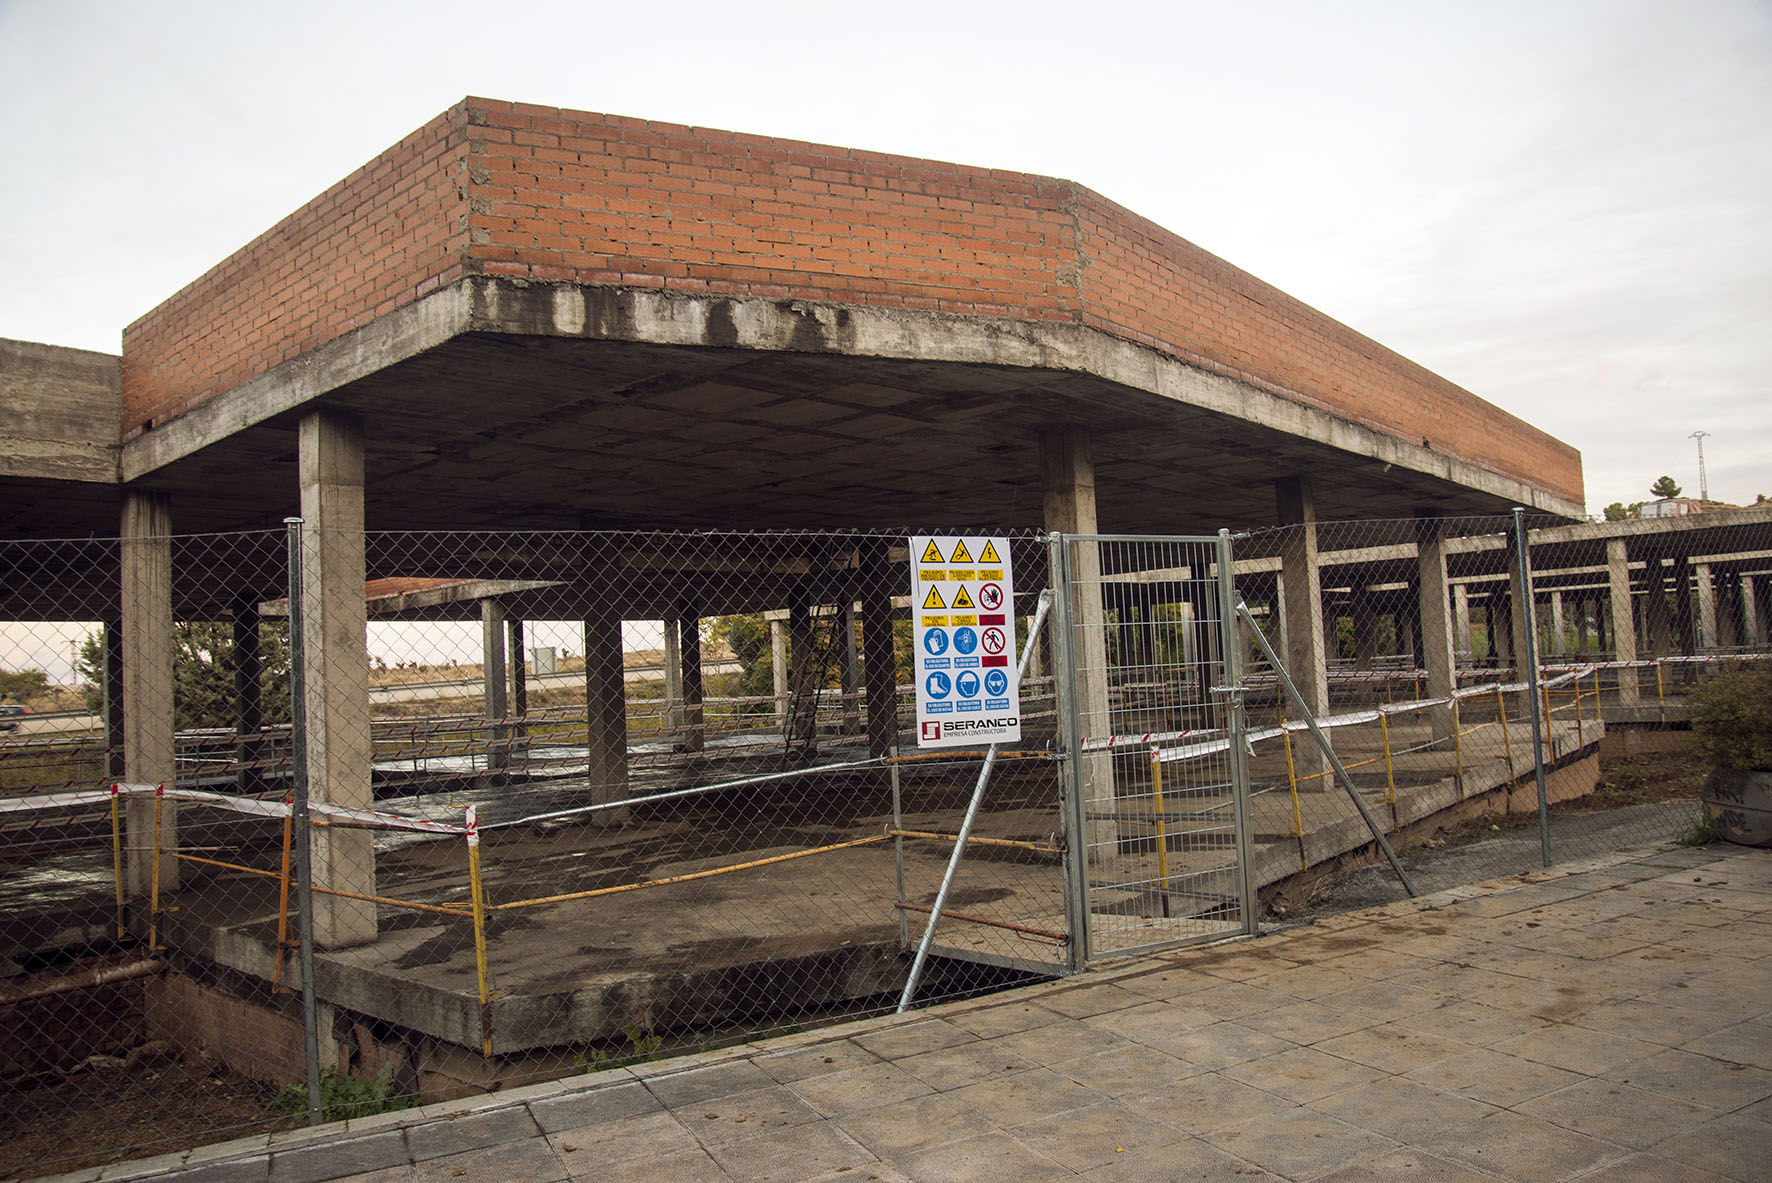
506, 189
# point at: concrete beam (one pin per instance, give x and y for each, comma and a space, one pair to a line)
61, 412
335, 663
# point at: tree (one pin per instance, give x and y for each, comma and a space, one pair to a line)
17, 686
1616, 512
1665, 487
203, 674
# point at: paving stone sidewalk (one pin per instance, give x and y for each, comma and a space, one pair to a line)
1602, 1022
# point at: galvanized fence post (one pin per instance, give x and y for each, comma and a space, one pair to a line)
1070, 748
1534, 689
1231, 646
298, 772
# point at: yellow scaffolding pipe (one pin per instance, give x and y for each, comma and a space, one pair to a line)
1660, 698
1390, 775
1458, 747
154, 891
1507, 738
1292, 783
477, 896
283, 898
1162, 830
117, 856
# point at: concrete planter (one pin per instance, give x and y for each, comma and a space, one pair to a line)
1741, 804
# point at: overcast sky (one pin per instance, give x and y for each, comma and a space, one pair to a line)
1563, 205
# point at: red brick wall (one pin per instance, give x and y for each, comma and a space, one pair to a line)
249, 1038
497, 188
384, 236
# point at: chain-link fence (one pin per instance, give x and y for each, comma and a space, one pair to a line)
544, 803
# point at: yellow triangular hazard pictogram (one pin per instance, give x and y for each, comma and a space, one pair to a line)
931, 554
963, 600
961, 554
989, 555
933, 599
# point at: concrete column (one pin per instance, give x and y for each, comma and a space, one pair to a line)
1557, 647
694, 732
1435, 600
803, 674
518, 731
148, 731
112, 640
1728, 610
1686, 609
335, 663
851, 669
778, 667
879, 666
1583, 611
1706, 593
1461, 621
1067, 476
495, 682
248, 694
1753, 606
606, 710
1657, 621
1624, 635
1522, 619
1306, 657
673, 674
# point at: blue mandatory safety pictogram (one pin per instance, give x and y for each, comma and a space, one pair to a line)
967, 685
996, 682
938, 685
965, 640
935, 641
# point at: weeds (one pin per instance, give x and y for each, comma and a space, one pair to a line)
342, 1096
1703, 831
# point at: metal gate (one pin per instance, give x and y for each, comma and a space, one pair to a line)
1156, 786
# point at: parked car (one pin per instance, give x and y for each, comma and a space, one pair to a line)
10, 716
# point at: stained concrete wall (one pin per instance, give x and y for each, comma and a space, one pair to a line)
60, 411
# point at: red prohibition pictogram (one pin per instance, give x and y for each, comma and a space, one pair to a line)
992, 640
990, 597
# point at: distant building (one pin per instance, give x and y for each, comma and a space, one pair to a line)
1678, 507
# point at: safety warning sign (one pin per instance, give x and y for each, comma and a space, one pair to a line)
964, 637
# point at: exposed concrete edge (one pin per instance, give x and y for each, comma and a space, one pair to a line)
523, 307
59, 460
385, 341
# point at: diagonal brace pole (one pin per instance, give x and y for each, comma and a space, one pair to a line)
1341, 772
984, 776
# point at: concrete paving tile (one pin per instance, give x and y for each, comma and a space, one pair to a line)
337, 1160
705, 1084
240, 1170
1236, 999
867, 1172
1026, 1096
1153, 1020
1650, 1168
404, 1173
532, 1161
1002, 1019
1061, 1039
1471, 1023
433, 1139
593, 1105
1189, 1160
1392, 1047
1300, 1143
988, 1158
1096, 1135
789, 1154
910, 1127
1382, 1000
1079, 1002
1616, 1112
930, 1035
1126, 1070
1165, 983
1492, 1077
1406, 1163
838, 1093
1734, 1146
1306, 1023
1577, 1049
1208, 1103
837, 1056
1400, 1108
1713, 995
1222, 1044
1519, 1147
1312, 981
1667, 1026
1303, 1074
683, 1166
611, 1143
744, 1115
1718, 1084
952, 1067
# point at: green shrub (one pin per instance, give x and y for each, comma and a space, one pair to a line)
1732, 719
343, 1096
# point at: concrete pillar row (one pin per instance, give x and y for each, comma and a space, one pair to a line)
689, 679
1705, 592
335, 663
147, 661
778, 667
1434, 598
1620, 618
606, 709
1300, 577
